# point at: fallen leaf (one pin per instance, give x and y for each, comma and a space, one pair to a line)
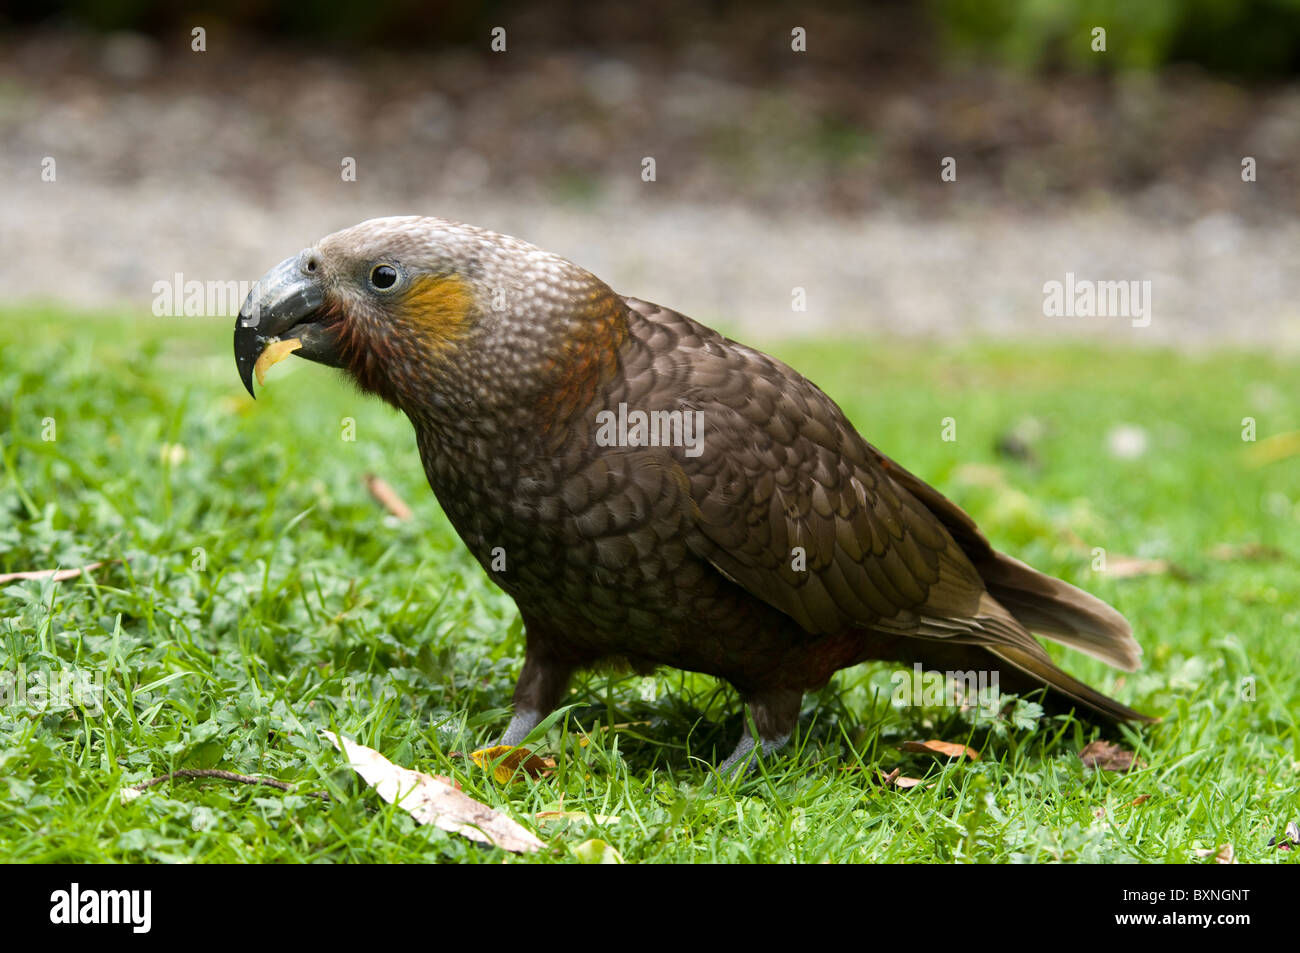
431, 801
579, 817
510, 766
1271, 449
1140, 799
1108, 757
275, 352
1250, 552
945, 749
57, 575
1290, 839
387, 497
1126, 567
980, 474
894, 779
1223, 854
596, 851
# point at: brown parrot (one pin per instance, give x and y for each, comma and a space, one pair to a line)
650, 491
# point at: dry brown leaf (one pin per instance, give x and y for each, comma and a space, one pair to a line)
1223, 854
980, 474
275, 352
945, 749
1108, 757
513, 766
1250, 552
894, 779
431, 801
1140, 799
387, 497
1126, 567
58, 575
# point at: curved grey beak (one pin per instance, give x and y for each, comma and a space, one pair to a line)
285, 302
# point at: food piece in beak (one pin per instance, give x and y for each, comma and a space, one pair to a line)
275, 352
287, 302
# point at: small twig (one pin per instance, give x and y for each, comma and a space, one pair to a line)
387, 497
224, 776
58, 575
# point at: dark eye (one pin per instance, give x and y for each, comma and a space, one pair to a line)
383, 277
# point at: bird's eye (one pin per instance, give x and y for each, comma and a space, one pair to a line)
383, 277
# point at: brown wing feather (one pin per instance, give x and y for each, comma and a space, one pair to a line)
786, 472
793, 505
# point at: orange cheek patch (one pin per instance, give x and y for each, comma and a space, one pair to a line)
439, 305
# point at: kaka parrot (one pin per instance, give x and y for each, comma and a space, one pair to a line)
661, 495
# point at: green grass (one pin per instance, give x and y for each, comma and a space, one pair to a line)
259, 596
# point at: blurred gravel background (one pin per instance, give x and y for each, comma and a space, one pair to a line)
775, 170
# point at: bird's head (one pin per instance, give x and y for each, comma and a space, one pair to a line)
437, 317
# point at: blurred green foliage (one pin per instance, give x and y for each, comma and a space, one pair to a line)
1246, 37
1251, 37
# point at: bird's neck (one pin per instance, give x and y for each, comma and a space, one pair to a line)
528, 392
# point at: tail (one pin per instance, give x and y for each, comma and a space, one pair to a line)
1021, 600
1041, 671
1024, 601
1060, 612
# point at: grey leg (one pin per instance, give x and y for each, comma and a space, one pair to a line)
775, 715
540, 688
739, 761
524, 721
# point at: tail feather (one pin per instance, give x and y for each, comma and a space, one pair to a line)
1024, 601
1017, 647
1060, 611
1042, 670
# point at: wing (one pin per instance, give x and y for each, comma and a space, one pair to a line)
788, 501
792, 504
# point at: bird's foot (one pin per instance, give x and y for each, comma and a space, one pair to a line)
524, 721
745, 758
521, 723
